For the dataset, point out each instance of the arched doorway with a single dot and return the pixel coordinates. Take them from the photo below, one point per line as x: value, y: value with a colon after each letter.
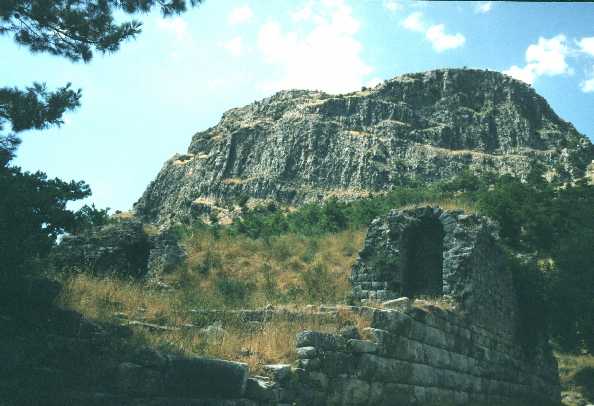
x: 422, y: 258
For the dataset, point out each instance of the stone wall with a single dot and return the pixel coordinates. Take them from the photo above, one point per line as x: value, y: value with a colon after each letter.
x: 402, y: 257
x: 121, y: 248
x: 418, y: 357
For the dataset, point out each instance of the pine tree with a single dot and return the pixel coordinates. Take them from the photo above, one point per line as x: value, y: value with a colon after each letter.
x: 32, y: 207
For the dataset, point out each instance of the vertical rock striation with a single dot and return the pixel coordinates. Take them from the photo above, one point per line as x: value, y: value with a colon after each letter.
x: 299, y: 146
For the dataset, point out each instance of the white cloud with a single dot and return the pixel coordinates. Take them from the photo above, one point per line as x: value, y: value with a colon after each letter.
x: 414, y: 22
x: 393, y: 6
x: 525, y: 74
x: 441, y: 41
x: 483, y: 7
x: 323, y: 53
x: 545, y: 58
x: 240, y: 15
x: 176, y: 26
x: 587, y: 86
x: 304, y: 13
x: 586, y: 45
x: 234, y: 46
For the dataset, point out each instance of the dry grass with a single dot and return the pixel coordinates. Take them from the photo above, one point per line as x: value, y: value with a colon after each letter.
x: 576, y: 373
x: 445, y: 204
x: 225, y: 273
x: 106, y: 299
x: 239, y: 271
x: 256, y: 344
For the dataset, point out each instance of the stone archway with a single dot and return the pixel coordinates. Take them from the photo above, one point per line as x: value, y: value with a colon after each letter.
x: 421, y: 251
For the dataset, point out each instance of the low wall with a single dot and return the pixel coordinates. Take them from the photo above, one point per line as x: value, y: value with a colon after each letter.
x: 419, y: 357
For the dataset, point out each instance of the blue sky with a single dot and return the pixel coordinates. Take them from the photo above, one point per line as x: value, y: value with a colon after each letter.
x: 142, y: 104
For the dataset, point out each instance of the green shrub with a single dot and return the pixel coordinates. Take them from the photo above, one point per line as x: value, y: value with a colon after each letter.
x: 233, y: 290
x: 212, y: 261
x: 318, y: 284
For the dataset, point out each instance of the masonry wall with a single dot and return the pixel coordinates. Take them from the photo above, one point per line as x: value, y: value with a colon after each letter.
x: 474, y: 272
x: 420, y: 357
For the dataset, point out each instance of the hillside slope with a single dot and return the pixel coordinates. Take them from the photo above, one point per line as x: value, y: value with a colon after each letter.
x: 299, y: 146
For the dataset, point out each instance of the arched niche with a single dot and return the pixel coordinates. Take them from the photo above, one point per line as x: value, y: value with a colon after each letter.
x: 421, y: 253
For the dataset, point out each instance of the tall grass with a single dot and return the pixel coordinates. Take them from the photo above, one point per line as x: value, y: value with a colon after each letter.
x: 228, y: 272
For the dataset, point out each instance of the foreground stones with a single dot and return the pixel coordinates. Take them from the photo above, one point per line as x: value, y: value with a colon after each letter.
x: 196, y: 377
x: 422, y: 356
x: 418, y: 356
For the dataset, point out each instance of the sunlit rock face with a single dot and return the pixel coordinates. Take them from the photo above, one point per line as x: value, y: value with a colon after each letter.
x: 299, y: 146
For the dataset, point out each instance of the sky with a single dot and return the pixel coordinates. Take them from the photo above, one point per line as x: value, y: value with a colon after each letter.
x: 143, y: 103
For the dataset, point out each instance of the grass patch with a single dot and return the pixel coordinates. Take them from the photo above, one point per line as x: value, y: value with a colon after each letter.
x: 576, y: 374
x: 185, y: 331
x: 229, y: 272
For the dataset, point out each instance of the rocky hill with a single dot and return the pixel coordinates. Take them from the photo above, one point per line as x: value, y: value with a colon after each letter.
x: 299, y: 146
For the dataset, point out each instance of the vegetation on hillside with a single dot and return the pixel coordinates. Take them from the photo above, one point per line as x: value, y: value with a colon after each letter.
x: 279, y: 256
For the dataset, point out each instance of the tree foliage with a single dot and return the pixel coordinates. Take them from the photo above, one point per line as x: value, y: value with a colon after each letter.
x: 33, y: 214
x: 33, y: 210
x: 32, y: 108
x: 73, y: 29
x: 76, y: 28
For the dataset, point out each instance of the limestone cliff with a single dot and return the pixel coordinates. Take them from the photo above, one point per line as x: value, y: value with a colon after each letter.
x: 300, y: 146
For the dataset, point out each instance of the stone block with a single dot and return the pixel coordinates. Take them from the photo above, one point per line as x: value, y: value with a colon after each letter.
x: 310, y: 364
x: 306, y: 352
x: 260, y: 390
x: 135, y: 379
x: 362, y: 346
x: 335, y: 363
x: 206, y: 377
x: 319, y: 379
x: 402, y: 303
x: 279, y: 372
x: 323, y: 341
x: 354, y: 392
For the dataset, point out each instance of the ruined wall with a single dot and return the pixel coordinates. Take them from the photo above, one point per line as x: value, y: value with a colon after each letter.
x: 420, y: 357
x: 473, y: 269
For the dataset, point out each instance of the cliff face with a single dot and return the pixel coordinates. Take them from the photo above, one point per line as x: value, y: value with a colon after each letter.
x: 300, y: 146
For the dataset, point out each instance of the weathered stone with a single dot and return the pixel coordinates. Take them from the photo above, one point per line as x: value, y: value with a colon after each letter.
x: 354, y: 392
x: 350, y: 332
x: 306, y: 352
x: 279, y: 372
x: 205, y: 377
x: 120, y: 248
x: 319, y: 379
x: 417, y: 252
x: 299, y: 146
x: 149, y: 357
x: 324, y: 341
x: 165, y: 254
x: 310, y: 364
x: 362, y: 346
x: 402, y: 303
x: 260, y: 390
x: 136, y: 379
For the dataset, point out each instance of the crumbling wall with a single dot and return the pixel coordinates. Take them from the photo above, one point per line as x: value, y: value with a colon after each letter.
x: 421, y: 357
x: 473, y: 274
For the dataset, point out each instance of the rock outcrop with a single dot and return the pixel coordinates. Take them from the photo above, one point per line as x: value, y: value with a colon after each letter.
x: 300, y: 146
x: 121, y: 248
